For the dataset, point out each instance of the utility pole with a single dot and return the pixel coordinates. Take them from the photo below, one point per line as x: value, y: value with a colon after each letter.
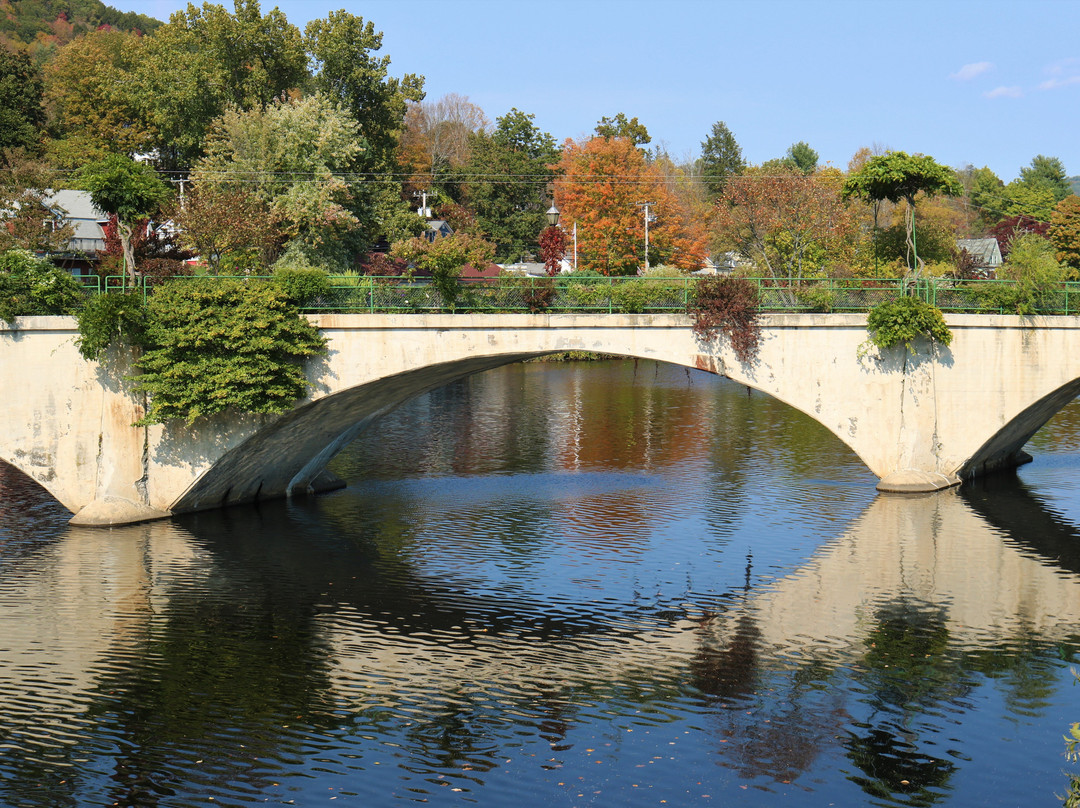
x: 648, y: 218
x: 424, y: 210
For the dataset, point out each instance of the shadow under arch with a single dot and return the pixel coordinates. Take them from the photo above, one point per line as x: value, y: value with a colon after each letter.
x: 288, y: 456
x: 17, y: 475
x: 1005, y: 448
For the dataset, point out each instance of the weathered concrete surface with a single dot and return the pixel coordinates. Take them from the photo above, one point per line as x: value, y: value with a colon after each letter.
x: 919, y: 421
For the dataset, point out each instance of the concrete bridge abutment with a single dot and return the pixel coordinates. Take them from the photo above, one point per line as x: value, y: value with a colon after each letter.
x: 920, y: 420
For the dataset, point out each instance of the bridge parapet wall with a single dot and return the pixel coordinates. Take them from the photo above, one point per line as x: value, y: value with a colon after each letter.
x: 932, y: 416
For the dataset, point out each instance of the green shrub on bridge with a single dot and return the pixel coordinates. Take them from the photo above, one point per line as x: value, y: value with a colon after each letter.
x: 116, y: 318
x: 32, y: 286
x: 216, y: 344
x: 902, y: 321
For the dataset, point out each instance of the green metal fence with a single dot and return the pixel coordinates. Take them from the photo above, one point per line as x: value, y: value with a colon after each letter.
x: 638, y: 295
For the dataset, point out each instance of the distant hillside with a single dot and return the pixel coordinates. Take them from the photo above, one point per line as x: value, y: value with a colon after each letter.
x: 1075, y: 183
x: 41, y: 26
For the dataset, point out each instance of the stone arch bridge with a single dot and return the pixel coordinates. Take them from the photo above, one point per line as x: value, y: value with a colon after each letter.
x: 920, y: 421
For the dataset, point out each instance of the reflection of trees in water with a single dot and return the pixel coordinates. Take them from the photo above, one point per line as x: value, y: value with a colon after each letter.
x: 895, y: 769
x: 909, y: 670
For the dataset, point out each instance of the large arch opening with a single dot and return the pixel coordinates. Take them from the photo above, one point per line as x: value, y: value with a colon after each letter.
x: 290, y: 456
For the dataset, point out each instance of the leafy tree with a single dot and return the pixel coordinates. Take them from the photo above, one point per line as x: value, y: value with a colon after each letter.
x: 509, y: 175
x: 1033, y: 200
x: 1048, y: 172
x: 346, y: 70
x: 721, y: 158
x: 898, y: 176
x: 217, y: 345
x: 788, y: 222
x: 620, y: 126
x: 802, y: 157
x: 295, y: 157
x: 444, y: 259
x: 985, y: 191
x: 21, y: 111
x: 32, y: 286
x: 1035, y: 270
x: 602, y: 182
x: 32, y: 221
x: 1012, y: 226
x: 552, y: 248
x: 130, y: 190
x: 205, y: 61
x: 1064, y: 231
x: 437, y: 142
x: 223, y: 223
x: 94, y: 98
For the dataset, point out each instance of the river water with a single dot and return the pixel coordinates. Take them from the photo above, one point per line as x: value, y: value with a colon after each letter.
x: 580, y: 584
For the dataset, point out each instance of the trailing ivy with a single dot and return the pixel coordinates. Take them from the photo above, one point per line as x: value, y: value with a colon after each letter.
x: 116, y: 318
x: 727, y: 306
x: 216, y: 344
x: 32, y: 286
x: 902, y: 321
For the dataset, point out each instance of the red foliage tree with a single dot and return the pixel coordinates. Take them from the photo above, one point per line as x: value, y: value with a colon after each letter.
x: 552, y: 249
x: 1012, y: 226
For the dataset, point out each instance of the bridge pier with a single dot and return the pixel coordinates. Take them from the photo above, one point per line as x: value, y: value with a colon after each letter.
x: 920, y: 421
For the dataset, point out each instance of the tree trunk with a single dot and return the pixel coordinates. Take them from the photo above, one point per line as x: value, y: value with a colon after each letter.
x: 125, y: 231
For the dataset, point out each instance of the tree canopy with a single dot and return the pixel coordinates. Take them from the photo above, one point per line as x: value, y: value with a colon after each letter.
x: 721, y: 158
x: 129, y: 190
x: 602, y: 185
x: 509, y: 173
x: 621, y: 126
x: 898, y: 176
x: 21, y: 112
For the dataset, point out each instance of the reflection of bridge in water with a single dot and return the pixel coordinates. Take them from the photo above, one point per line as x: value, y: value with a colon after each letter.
x: 103, y: 594
x: 919, y: 421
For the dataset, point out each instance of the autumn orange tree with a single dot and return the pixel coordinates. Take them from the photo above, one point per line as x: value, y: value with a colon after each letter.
x: 601, y: 185
x: 792, y: 225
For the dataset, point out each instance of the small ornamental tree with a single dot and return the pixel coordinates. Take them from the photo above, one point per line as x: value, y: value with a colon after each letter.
x: 899, y: 176
x: 1011, y: 227
x: 131, y: 191
x: 220, y: 344
x: 552, y: 249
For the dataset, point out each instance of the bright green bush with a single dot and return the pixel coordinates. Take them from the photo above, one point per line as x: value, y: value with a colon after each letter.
x: 114, y: 318
x: 902, y: 321
x: 32, y: 286
x: 219, y: 344
x: 303, y: 285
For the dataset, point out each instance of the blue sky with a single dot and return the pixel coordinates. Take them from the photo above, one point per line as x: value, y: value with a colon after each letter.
x: 984, y: 82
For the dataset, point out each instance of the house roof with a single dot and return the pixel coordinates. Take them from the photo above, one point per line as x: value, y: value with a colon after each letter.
x: 984, y: 251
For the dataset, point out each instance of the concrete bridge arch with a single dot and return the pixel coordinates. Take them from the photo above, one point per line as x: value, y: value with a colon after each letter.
x: 919, y: 421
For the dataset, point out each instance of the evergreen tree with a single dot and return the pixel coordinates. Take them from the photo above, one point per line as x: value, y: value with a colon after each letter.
x: 721, y: 157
